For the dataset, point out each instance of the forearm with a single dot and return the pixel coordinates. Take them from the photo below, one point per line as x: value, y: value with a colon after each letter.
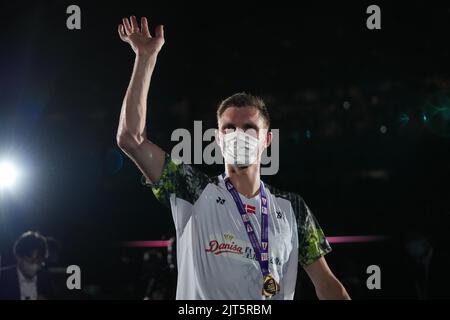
x: 131, y: 128
x: 332, y: 289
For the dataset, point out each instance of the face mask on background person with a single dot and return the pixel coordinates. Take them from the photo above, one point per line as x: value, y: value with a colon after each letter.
x: 30, y: 269
x: 239, y: 148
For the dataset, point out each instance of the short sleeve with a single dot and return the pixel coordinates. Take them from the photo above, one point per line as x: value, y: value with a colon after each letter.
x: 179, y: 179
x: 312, y: 241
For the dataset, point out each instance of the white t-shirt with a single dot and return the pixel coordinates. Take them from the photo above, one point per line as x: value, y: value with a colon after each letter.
x: 28, y: 287
x: 214, y: 255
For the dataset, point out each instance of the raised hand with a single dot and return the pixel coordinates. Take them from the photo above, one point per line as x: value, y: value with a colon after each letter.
x: 140, y: 39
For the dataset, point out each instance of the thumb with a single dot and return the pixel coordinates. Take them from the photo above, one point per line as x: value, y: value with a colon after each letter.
x: 160, y: 31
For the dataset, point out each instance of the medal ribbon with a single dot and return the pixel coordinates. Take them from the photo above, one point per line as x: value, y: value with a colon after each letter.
x: 261, y: 251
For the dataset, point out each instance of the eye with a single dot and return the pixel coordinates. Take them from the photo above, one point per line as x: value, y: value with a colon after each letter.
x: 248, y: 126
x: 228, y: 126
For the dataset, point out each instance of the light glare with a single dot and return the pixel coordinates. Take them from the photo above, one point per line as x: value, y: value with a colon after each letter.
x: 8, y: 174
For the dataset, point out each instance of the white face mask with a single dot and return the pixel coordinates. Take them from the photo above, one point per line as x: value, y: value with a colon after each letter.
x: 31, y: 269
x: 239, y: 148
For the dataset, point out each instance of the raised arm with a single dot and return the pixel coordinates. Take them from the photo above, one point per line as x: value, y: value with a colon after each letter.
x: 131, y: 133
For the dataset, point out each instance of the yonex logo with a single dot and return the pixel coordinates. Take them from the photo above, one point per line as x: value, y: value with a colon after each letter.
x: 279, y: 214
x: 220, y: 200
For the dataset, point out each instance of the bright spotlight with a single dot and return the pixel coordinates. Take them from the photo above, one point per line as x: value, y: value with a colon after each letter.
x: 8, y: 175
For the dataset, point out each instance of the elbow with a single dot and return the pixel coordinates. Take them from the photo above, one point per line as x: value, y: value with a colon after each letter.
x: 127, y: 141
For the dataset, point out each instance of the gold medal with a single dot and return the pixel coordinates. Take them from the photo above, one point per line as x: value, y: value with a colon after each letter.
x: 270, y: 286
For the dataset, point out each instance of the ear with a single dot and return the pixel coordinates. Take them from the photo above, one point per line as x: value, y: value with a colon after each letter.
x: 268, y: 139
x: 217, y: 136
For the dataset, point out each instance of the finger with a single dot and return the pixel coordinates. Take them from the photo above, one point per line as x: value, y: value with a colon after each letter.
x: 160, y: 31
x: 127, y: 26
x: 122, y: 33
x: 134, y: 24
x: 144, y: 27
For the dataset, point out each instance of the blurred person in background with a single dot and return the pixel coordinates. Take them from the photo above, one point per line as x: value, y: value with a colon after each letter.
x: 26, y: 280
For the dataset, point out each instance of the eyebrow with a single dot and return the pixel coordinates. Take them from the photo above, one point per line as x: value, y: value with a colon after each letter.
x: 227, y: 125
x: 247, y: 125
x: 251, y: 125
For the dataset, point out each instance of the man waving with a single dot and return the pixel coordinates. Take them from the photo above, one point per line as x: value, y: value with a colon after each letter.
x: 237, y: 237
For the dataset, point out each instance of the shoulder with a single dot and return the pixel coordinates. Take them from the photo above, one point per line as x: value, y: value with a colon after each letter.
x: 8, y: 276
x: 184, y: 180
x: 175, y: 170
x: 8, y: 270
x: 298, y: 204
x: 44, y: 283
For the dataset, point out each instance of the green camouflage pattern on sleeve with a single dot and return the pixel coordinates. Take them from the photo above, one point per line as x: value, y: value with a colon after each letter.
x: 183, y: 180
x: 312, y: 241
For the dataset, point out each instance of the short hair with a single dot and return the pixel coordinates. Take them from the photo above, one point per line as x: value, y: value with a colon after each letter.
x: 29, y: 242
x: 243, y: 99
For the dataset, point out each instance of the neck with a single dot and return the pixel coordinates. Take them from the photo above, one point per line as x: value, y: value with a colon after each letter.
x: 27, y: 277
x: 245, y: 180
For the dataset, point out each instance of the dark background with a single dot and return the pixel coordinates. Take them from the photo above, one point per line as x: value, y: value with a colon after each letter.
x: 330, y: 85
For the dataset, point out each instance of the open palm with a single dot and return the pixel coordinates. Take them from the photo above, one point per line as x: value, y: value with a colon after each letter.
x: 140, y: 39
